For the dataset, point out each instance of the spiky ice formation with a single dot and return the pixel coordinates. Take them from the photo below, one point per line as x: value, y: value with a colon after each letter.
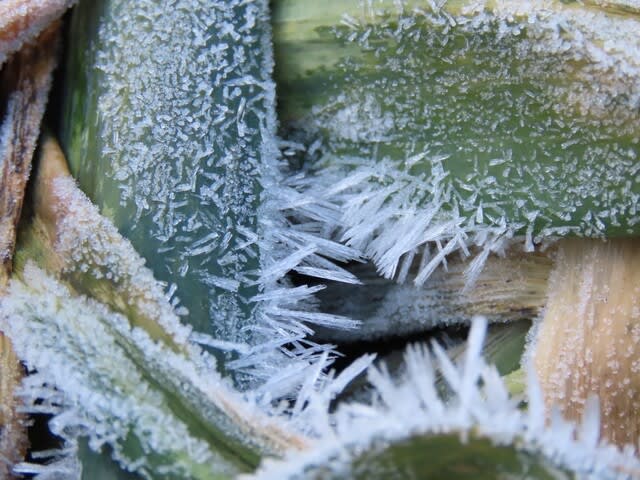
x: 460, y: 124
x: 478, y: 432
x: 170, y: 129
x: 161, y: 412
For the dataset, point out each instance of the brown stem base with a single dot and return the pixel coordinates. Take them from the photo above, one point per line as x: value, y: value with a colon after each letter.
x: 589, y: 339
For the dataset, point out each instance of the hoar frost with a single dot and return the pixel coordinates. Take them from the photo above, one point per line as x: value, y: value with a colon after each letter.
x: 172, y: 134
x: 410, y: 415
x: 180, y: 152
x: 462, y: 126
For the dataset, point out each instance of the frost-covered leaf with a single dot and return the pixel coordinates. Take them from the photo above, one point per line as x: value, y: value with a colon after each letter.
x: 67, y: 236
x: 464, y: 123
x: 169, y: 127
x: 410, y: 432
x: 166, y: 127
x: 164, y: 414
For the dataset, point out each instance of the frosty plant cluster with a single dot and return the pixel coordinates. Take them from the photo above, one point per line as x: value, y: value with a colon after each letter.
x: 235, y: 195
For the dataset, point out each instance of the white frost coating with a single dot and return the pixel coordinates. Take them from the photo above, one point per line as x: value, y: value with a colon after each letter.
x: 480, y: 406
x: 21, y: 21
x: 190, y: 171
x: 105, y: 384
x: 89, y: 243
x: 381, y: 214
x: 469, y: 172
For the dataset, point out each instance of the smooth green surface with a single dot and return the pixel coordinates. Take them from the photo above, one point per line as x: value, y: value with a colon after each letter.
x: 505, y: 344
x: 100, y: 466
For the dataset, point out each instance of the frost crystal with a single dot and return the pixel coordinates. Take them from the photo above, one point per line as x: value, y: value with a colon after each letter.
x: 172, y: 134
x: 91, y: 251
x: 463, y: 126
x: 159, y: 410
x: 411, y: 414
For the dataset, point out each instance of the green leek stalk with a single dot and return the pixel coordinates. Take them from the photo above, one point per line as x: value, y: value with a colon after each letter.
x: 154, y: 113
x: 503, y: 115
x: 449, y: 456
x: 415, y: 431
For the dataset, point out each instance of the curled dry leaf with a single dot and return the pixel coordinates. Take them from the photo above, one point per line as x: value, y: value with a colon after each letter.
x: 506, y: 288
x: 22, y: 21
x: 27, y: 80
x: 24, y: 88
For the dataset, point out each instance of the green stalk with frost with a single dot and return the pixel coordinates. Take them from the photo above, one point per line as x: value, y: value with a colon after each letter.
x: 464, y: 125
x: 138, y: 137
x: 125, y: 347
x: 154, y: 166
x: 168, y: 126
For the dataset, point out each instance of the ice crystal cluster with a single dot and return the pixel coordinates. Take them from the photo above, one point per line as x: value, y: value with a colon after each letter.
x: 171, y: 131
x: 91, y: 350
x: 388, y: 438
x: 460, y: 126
x: 175, y: 142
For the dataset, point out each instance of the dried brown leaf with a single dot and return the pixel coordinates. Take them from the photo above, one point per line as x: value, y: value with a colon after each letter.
x: 13, y: 435
x: 24, y: 85
x: 589, y: 340
x: 22, y: 21
x: 26, y: 80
